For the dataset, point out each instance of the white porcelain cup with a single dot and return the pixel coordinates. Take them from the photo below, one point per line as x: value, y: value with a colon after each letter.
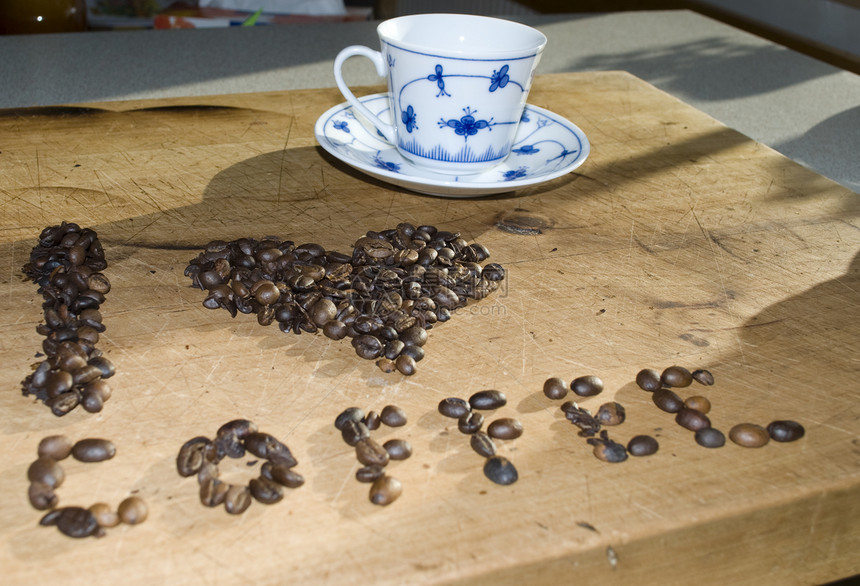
x: 457, y: 87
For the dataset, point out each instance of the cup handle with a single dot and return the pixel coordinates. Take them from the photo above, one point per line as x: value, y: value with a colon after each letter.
x: 387, y: 130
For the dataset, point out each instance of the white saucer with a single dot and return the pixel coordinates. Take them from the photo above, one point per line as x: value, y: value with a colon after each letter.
x: 546, y: 146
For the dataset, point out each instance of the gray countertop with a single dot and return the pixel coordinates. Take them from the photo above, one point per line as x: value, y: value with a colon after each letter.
x: 799, y: 106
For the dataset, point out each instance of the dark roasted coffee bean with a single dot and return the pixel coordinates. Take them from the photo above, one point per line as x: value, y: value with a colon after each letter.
x: 692, y: 419
x: 230, y: 445
x: 698, y: 403
x: 86, y: 374
x: 494, y: 272
x: 470, y: 422
x: 453, y: 407
x: 483, y: 444
x: 238, y: 427
x: 667, y: 400
x: 587, y: 386
x: 237, y: 499
x: 354, y: 431
x: 349, y: 414
x: 505, y: 428
x: 266, y: 491
x: 385, y: 490
x: 98, y: 387
x: 607, y: 450
x: 282, y: 475
x: 393, y: 416
x: 642, y: 445
x: 394, y: 348
x: 580, y: 417
x: 132, y: 510
x: 63, y: 403
x: 555, y: 388
x: 500, y: 470
x: 372, y: 421
x: 47, y: 471
x: 749, y: 435
x: 105, y: 516
x: 93, y: 450
x: 416, y: 353
x: 367, y: 346
x: 267, y: 446
x: 385, y: 365
x: 703, y: 376
x: 207, y: 471
x: 42, y: 496
x: 335, y: 329
x: 56, y: 447
x: 323, y: 311
x: 370, y: 453
x: 213, y: 492
x: 398, y: 449
x: 369, y: 473
x: 785, y: 431
x: 676, y: 376
x: 709, y: 437
x: 59, y: 382
x: 191, y: 456
x: 414, y: 336
x: 488, y: 400
x: 611, y: 414
x: 50, y: 518
x: 77, y: 522
x: 405, y: 364
x: 92, y: 401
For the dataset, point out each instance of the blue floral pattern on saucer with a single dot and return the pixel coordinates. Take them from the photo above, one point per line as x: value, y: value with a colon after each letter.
x: 546, y: 146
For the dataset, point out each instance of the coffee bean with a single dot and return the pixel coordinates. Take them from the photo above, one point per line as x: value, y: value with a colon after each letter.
x: 698, y: 403
x: 264, y: 445
x: 50, y: 518
x: 47, y: 471
x: 398, y: 449
x: 470, y: 422
x: 608, y: 450
x: 385, y: 365
x: 500, y: 470
x: 405, y: 364
x: 238, y: 427
x: 692, y: 419
x: 266, y: 491
x: 676, y: 376
x: 372, y: 421
x: 370, y: 453
x: 749, y: 435
x: 703, y: 376
x: 213, y: 492
x: 349, y: 414
x: 76, y: 522
x: 393, y: 416
x: 385, y: 490
x: 453, y: 407
x: 555, y: 388
x: 642, y: 445
x: 63, y: 403
x: 367, y: 346
x: 587, y: 386
x: 91, y: 401
x: 708, y: 437
x: 505, y: 428
x: 785, y: 431
x: 488, y: 400
x: 55, y: 447
x: 237, y: 499
x: 191, y: 456
x: 580, y: 417
x: 414, y: 336
x: 98, y: 387
x: 369, y: 473
x: 42, y: 496
x: 93, y: 450
x: 483, y: 444
x: 207, y: 471
x: 354, y: 431
x: 667, y: 400
x: 611, y: 414
x: 105, y: 516
x: 282, y: 475
x: 132, y: 510
x: 416, y: 353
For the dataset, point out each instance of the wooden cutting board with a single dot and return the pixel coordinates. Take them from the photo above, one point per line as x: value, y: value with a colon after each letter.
x: 679, y: 241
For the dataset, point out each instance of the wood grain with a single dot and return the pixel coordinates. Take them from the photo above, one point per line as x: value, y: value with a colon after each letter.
x: 679, y: 241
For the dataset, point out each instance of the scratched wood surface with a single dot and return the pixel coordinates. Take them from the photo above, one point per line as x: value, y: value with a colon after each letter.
x: 679, y: 241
